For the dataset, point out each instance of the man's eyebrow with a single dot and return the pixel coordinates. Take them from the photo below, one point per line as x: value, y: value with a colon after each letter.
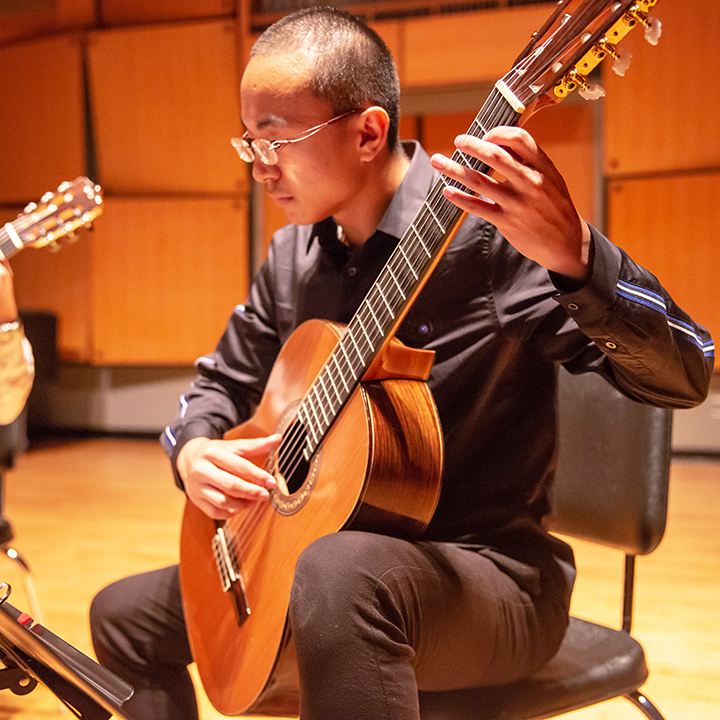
x: 269, y: 121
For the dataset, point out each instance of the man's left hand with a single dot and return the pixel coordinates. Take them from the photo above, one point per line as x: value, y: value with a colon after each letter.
x: 523, y: 195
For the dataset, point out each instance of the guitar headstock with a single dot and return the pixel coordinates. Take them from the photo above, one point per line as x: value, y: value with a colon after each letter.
x: 57, y: 214
x: 576, y: 39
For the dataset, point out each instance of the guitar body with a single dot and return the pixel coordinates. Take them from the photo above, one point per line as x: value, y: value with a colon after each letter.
x: 378, y: 469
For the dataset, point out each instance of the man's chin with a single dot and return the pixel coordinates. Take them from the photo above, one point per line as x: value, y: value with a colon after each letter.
x: 298, y: 216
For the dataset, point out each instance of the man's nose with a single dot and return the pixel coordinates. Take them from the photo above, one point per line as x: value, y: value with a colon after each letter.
x: 262, y: 171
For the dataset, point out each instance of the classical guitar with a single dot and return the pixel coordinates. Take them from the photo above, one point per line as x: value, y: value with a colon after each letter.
x: 361, y: 443
x: 58, y: 214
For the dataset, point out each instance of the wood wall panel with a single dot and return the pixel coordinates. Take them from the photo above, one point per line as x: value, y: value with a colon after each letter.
x: 43, y: 17
x: 467, y: 48
x: 165, y: 105
x: 670, y: 226
x: 42, y: 140
x: 58, y: 281
x: 122, y: 12
x: 663, y: 115
x: 166, y: 274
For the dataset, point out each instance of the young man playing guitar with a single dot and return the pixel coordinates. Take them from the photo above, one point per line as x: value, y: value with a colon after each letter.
x: 482, y: 595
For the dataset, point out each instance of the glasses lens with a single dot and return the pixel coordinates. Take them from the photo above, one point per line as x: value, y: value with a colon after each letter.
x: 265, y: 151
x: 243, y: 149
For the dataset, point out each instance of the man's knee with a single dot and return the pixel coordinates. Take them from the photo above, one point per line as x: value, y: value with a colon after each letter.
x: 105, y: 607
x: 336, y: 577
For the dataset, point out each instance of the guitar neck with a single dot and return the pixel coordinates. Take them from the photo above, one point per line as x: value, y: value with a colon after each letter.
x: 398, y: 284
x: 10, y: 240
x: 57, y: 214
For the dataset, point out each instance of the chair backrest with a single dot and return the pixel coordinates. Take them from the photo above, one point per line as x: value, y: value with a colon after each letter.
x: 613, y: 468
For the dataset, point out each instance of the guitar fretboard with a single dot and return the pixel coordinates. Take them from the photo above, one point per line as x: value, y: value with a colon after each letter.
x: 387, y: 302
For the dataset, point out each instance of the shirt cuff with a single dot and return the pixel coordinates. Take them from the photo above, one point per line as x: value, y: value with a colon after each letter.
x: 173, y: 443
x: 588, y: 299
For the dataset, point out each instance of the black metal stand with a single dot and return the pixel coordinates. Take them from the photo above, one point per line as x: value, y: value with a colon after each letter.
x: 32, y: 654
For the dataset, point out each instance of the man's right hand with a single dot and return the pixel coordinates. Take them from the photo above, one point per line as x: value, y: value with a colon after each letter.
x: 219, y: 476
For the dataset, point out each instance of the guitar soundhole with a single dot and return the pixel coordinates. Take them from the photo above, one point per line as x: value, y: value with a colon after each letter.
x: 296, y: 476
x: 292, y: 464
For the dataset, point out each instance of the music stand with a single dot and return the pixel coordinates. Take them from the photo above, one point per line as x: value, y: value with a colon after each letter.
x: 32, y: 654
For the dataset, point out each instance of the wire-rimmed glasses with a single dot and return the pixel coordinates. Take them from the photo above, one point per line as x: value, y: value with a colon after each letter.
x: 267, y: 151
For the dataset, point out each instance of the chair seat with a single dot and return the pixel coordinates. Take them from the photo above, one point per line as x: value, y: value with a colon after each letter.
x: 594, y: 663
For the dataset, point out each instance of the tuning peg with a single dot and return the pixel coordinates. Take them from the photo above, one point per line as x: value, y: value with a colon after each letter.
x: 621, y: 62
x: 653, y: 31
x: 653, y: 27
x: 591, y: 92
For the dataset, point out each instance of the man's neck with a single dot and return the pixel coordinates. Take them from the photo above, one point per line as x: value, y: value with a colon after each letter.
x: 360, y: 220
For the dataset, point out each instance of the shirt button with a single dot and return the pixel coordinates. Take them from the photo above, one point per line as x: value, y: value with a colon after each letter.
x: 573, y: 306
x: 352, y: 271
x: 610, y: 345
x: 424, y: 329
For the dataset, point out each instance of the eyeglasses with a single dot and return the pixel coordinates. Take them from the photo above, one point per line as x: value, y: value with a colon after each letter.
x: 267, y: 151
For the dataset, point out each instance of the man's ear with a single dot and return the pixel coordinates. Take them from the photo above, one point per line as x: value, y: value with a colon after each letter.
x: 374, y: 124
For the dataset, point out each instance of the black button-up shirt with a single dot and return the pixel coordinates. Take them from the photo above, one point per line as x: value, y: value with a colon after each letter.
x: 499, y: 324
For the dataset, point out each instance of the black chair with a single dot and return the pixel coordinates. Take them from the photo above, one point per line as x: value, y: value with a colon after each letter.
x: 611, y: 488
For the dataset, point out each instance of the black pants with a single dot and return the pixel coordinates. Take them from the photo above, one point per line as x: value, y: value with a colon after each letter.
x: 374, y: 619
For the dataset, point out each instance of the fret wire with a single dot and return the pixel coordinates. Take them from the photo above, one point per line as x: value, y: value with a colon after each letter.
x: 327, y: 404
x: 347, y: 359
x: 327, y: 397
x: 401, y: 277
x: 352, y: 338
x: 313, y: 391
x: 340, y: 372
x: 338, y: 394
x: 354, y: 364
x: 388, y: 287
x: 424, y: 247
x: 372, y: 337
x: 382, y: 295
x: 310, y: 425
x: 365, y: 332
x: 375, y: 317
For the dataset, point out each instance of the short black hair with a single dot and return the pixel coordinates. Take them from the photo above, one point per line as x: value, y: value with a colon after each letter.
x: 350, y: 65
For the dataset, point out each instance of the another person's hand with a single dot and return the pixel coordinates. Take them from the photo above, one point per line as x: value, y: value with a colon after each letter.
x: 220, y: 477
x: 528, y: 201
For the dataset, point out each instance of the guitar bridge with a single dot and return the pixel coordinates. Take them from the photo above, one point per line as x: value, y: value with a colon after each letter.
x: 231, y: 578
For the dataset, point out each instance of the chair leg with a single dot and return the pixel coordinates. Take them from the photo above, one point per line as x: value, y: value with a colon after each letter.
x: 14, y: 555
x: 645, y: 705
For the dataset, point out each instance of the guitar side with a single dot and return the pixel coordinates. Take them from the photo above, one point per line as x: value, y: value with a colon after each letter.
x: 378, y: 469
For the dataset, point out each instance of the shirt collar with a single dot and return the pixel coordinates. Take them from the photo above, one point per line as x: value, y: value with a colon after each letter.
x: 405, y: 204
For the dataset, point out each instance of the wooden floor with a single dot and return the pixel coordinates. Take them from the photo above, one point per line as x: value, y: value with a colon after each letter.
x: 89, y: 511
